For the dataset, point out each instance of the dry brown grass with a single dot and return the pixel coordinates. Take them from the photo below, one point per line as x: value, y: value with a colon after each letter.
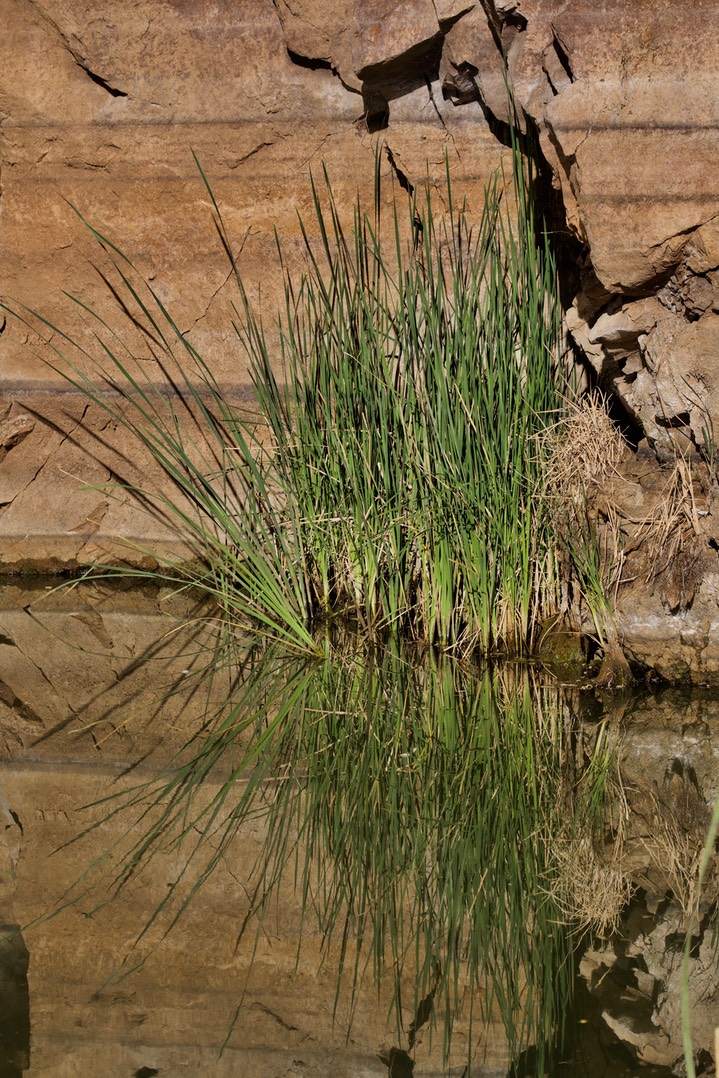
x: 670, y: 538
x: 584, y: 450
x: 658, y: 541
x: 591, y: 887
x: 677, y: 831
x: 592, y: 891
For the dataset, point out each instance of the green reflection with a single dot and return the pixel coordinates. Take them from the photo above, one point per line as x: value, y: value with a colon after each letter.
x: 425, y: 808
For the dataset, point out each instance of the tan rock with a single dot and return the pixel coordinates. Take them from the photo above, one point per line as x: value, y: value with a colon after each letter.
x: 471, y: 67
x: 390, y: 35
x: 322, y: 32
x: 702, y: 250
x: 14, y: 429
x: 632, y: 147
x: 621, y: 327
x: 100, y: 106
x: 684, y: 361
x: 452, y: 9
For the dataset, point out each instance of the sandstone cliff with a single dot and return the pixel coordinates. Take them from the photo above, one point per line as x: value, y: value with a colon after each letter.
x: 101, y: 102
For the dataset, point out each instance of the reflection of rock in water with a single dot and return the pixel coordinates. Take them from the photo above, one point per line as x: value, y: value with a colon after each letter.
x: 669, y: 774
x: 669, y: 781
x: 14, y: 1003
x: 589, y: 1049
x: 398, y: 1063
x: 636, y: 980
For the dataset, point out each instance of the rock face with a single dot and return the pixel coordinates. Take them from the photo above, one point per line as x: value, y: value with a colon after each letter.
x: 100, y: 107
x: 621, y: 96
x: 100, y: 103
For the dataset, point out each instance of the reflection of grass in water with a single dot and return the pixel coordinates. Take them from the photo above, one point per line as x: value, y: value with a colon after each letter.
x: 416, y: 804
x: 429, y: 806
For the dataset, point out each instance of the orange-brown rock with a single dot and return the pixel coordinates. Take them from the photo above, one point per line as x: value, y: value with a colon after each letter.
x: 102, y: 106
x: 101, y: 103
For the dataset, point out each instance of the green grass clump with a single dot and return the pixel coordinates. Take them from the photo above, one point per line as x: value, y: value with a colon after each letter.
x: 416, y: 384
x: 395, y: 473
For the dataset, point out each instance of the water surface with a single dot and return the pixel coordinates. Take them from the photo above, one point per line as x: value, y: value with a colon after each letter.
x: 370, y: 864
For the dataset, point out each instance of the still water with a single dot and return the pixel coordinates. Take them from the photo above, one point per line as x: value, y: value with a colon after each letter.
x: 217, y: 859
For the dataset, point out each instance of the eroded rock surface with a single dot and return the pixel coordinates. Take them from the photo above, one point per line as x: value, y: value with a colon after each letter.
x: 99, y: 106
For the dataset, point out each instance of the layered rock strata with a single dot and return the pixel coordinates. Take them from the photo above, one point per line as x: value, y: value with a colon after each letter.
x: 100, y: 104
